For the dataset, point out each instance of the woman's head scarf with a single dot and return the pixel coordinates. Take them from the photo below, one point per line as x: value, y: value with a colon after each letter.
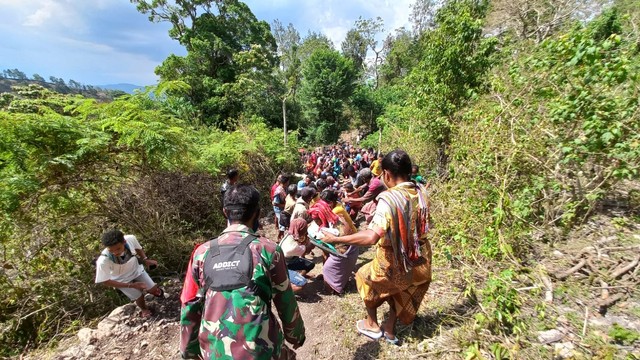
x: 298, y: 228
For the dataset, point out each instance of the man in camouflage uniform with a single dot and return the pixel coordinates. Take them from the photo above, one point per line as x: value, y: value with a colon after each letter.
x: 239, y: 324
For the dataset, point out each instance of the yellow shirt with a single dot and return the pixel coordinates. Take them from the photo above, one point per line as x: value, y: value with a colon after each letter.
x: 340, y: 211
x: 376, y: 168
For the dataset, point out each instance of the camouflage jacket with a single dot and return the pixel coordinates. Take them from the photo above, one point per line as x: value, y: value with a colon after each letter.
x: 239, y: 324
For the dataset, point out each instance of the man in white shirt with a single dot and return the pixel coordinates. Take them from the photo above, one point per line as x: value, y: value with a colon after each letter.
x: 118, y: 266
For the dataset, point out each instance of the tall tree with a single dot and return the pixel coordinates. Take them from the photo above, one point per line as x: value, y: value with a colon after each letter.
x: 15, y: 74
x: 38, y: 77
x: 401, y: 56
x: 423, y: 14
x: 328, y: 81
x: 538, y: 19
x: 288, y: 41
x: 454, y: 61
x: 369, y: 29
x: 230, y: 55
x: 355, y: 47
x: 313, y: 42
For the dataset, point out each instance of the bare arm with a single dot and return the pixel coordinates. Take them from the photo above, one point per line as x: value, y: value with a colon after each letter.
x: 144, y: 258
x: 122, y: 285
x: 364, y: 199
x: 361, y: 238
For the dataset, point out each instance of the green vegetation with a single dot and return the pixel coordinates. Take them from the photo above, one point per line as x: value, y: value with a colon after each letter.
x: 523, y: 123
x: 70, y: 167
x: 623, y: 336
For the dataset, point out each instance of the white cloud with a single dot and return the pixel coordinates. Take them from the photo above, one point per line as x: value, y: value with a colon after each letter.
x: 47, y: 15
x: 44, y: 13
x: 334, y: 17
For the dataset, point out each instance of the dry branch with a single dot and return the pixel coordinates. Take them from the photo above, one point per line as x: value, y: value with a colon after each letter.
x: 566, y: 274
x: 586, y: 250
x: 604, y: 294
x: 605, y: 304
x: 625, y: 269
x: 548, y: 285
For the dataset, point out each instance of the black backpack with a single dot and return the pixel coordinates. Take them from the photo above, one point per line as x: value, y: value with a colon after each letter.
x: 229, y: 267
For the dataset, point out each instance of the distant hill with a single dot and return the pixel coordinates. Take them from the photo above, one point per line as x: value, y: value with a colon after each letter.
x: 128, y: 88
x: 6, y: 85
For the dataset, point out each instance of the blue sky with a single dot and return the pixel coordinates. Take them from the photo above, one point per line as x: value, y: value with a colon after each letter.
x: 108, y: 41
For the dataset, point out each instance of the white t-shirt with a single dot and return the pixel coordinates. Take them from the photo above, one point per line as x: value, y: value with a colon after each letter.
x: 290, y: 247
x: 106, y: 269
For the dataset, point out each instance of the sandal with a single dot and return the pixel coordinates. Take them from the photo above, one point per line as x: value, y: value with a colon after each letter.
x: 146, y: 314
x: 161, y: 294
x: 394, y: 341
x: 368, y: 333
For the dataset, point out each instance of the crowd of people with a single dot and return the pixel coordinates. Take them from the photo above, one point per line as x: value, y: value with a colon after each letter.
x: 233, y: 280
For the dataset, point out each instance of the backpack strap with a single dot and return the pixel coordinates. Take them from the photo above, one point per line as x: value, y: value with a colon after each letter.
x: 214, y: 248
x: 241, y: 248
x: 112, y: 257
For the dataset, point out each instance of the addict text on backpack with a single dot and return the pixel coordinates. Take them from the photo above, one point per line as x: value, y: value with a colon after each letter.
x: 229, y: 267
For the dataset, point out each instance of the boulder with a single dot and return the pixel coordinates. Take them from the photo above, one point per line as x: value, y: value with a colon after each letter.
x: 87, y: 336
x: 550, y: 336
x: 564, y: 350
x: 123, y: 311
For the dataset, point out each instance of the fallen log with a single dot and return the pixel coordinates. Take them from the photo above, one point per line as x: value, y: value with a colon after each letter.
x: 566, y: 274
x: 625, y: 269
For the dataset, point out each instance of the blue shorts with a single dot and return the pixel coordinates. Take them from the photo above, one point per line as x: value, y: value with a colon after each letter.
x: 297, y: 279
x: 278, y: 211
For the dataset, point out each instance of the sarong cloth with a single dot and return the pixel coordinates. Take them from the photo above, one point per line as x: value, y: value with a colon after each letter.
x: 401, y: 268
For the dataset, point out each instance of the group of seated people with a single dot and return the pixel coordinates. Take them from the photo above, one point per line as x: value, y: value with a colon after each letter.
x: 333, y: 199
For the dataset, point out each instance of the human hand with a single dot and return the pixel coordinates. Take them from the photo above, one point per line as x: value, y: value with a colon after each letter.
x: 328, y: 237
x: 138, y: 285
x: 151, y: 264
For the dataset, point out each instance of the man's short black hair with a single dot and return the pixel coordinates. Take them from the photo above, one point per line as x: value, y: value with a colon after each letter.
x: 284, y: 178
x: 241, y: 202
x: 232, y: 173
x: 329, y: 195
x: 292, y: 190
x: 321, y: 184
x: 307, y: 193
x: 112, y: 237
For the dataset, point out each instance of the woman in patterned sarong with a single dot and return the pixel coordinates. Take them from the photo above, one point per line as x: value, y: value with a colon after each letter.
x: 400, y: 272
x: 338, y: 270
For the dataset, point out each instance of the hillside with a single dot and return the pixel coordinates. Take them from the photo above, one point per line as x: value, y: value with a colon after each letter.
x: 128, y: 88
x: 98, y: 93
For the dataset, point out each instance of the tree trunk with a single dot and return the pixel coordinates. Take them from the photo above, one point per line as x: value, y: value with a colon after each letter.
x: 284, y: 119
